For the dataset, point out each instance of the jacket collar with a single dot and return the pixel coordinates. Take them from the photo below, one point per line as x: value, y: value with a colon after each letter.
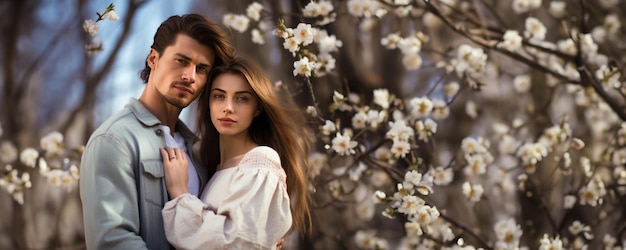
x: 150, y: 120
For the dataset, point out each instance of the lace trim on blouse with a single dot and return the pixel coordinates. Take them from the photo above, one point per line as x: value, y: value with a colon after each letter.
x: 264, y: 157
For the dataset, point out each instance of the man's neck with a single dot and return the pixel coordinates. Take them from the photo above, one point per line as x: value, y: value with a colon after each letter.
x: 166, y: 113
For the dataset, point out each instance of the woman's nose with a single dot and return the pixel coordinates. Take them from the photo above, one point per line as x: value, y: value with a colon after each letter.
x: 228, y: 106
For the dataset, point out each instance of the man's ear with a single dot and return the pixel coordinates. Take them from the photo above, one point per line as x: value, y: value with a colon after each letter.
x: 152, y: 59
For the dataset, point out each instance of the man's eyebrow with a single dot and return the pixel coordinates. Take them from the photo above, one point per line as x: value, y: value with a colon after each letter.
x: 183, y: 56
x: 189, y: 59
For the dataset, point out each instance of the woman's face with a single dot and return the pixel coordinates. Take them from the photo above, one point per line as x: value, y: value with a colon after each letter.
x: 233, y: 104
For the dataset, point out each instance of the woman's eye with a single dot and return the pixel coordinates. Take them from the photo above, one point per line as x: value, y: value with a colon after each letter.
x: 218, y: 96
x: 242, y: 98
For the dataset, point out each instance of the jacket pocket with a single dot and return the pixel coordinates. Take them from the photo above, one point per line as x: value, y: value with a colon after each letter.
x: 153, y: 185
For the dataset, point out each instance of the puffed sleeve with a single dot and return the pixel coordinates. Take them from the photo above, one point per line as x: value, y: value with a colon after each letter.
x: 255, y: 215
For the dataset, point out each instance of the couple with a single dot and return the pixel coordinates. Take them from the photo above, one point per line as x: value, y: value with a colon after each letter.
x: 142, y: 186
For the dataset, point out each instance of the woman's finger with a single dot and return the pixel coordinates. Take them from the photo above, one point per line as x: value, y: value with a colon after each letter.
x: 164, y: 154
x: 180, y: 154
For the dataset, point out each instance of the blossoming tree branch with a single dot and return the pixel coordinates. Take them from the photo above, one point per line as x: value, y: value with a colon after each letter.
x: 53, y: 160
x: 547, y: 164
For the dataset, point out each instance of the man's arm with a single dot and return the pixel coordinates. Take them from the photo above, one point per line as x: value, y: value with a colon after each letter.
x: 109, y: 196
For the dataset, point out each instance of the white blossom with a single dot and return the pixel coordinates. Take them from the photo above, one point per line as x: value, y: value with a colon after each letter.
x: 592, y: 193
x: 391, y: 41
x: 399, y: 131
x: 451, y: 89
x: 535, y: 30
x: 557, y: 9
x: 317, y: 161
x: 328, y: 43
x: 476, y: 164
x: 304, y: 67
x: 291, y: 44
x: 363, y: 8
x: 412, y: 61
x: 471, y: 145
x: 29, y: 157
x: 328, y: 127
x: 344, y: 145
x: 253, y: 11
x: 382, y: 153
x: 52, y: 143
x: 421, y: 107
x: 110, y: 15
x: 311, y: 110
x: 425, y: 129
x: 440, y: 109
x: 381, y: 97
x: 569, y: 201
x: 522, y: 83
x: 359, y: 120
x: 257, y: 36
x: 508, y: 234
x: 547, y: 243
x: 612, y: 23
x: 8, y: 152
x: 410, y: 204
x: 473, y: 192
x: 400, y: 148
x: 471, y: 109
x: 442, y: 176
x: 237, y: 22
x: 304, y: 34
x: 511, y: 40
x: 567, y: 46
x: 91, y: 27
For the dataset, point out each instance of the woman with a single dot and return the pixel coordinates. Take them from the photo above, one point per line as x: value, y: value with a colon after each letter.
x: 255, y: 146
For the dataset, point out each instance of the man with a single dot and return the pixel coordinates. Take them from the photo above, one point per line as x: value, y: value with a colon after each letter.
x: 122, y: 182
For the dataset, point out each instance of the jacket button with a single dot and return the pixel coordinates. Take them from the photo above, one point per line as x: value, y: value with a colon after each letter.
x: 159, y: 132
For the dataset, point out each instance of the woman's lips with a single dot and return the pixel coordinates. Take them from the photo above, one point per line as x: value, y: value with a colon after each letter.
x: 226, y: 121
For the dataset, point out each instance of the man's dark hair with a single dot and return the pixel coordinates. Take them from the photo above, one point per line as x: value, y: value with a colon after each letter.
x: 199, y: 28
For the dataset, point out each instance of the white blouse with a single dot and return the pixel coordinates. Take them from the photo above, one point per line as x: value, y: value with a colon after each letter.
x: 242, y: 207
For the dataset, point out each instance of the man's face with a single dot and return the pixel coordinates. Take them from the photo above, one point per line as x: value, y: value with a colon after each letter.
x: 180, y: 73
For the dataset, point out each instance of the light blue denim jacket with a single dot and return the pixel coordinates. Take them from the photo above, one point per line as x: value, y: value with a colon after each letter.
x: 121, y: 181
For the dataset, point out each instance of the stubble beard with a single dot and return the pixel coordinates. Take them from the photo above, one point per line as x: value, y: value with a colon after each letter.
x: 179, y: 101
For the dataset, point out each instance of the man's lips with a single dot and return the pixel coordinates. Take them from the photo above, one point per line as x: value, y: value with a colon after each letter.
x: 184, y: 89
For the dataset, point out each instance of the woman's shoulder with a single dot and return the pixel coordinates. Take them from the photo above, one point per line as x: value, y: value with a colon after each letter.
x: 262, y: 153
x: 263, y: 161
x: 262, y: 157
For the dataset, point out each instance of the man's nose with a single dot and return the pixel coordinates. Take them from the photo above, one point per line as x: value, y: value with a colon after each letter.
x: 189, y: 74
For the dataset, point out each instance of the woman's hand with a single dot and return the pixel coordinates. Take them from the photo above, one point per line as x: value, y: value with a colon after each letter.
x: 175, y: 167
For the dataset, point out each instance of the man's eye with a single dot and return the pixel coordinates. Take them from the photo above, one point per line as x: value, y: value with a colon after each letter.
x: 202, y: 70
x: 181, y: 61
